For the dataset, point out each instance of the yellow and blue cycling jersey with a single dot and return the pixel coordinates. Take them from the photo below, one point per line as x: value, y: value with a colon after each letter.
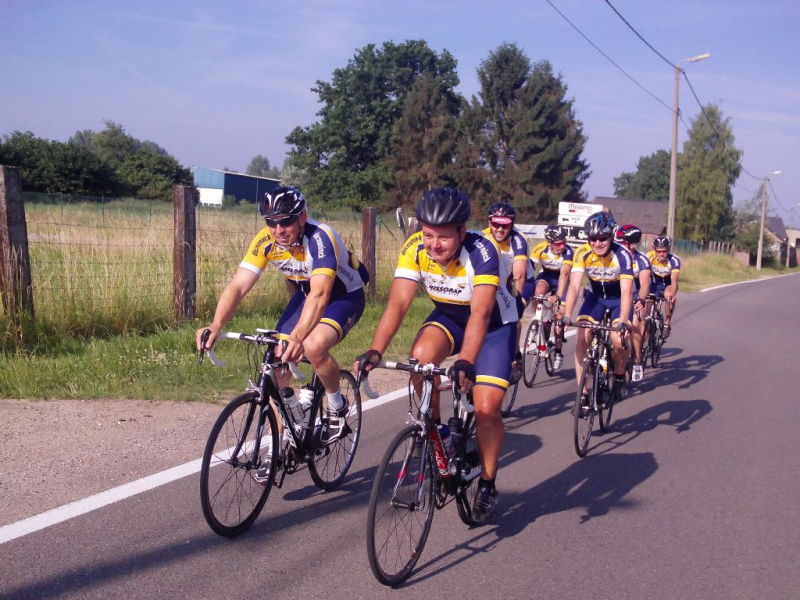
x: 640, y: 263
x: 322, y: 252
x: 450, y: 288
x: 549, y: 260
x: 663, y: 269
x: 514, y: 248
x: 604, y: 272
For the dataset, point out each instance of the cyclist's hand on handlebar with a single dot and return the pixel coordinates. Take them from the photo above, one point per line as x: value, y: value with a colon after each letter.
x: 366, y: 362
x: 566, y: 321
x: 623, y: 328
x: 463, y: 372
x: 207, y: 343
x: 292, y: 351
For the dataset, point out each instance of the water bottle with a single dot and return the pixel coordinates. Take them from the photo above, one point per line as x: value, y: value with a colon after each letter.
x: 604, y: 364
x: 447, y: 440
x: 455, y: 426
x: 306, y: 398
x: 292, y: 405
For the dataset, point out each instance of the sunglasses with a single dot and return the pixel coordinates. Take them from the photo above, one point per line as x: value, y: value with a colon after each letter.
x: 561, y: 243
x: 284, y: 222
x: 501, y: 225
x: 602, y: 239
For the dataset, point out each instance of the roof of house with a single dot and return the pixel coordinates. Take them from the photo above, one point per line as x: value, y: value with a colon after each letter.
x: 648, y: 215
x: 776, y: 226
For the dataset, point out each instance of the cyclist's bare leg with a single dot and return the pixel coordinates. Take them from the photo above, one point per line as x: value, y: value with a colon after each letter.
x: 317, y: 347
x: 637, y: 331
x: 582, y: 339
x: 542, y: 287
x: 487, y: 400
x: 620, y: 354
x: 430, y: 346
x: 669, y: 307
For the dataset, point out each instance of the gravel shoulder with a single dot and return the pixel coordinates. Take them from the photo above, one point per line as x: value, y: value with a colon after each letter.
x: 59, y: 451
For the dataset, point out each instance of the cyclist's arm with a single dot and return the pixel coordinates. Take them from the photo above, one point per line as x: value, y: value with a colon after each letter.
x: 626, y: 299
x: 674, y: 285
x: 400, y: 298
x: 644, y: 283
x: 575, y: 279
x: 563, y: 281
x: 481, y: 307
x: 518, y: 271
x: 313, y: 307
x: 238, y: 287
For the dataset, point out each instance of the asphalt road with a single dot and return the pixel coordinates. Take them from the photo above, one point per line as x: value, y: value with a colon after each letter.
x: 693, y: 494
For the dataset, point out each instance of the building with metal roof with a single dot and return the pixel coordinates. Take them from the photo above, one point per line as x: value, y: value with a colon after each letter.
x: 648, y: 215
x: 215, y: 184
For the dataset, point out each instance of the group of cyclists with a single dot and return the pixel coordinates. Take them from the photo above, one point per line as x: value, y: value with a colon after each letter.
x: 479, y: 283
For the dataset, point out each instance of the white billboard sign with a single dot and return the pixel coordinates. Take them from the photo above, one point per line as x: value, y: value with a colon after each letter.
x: 578, y: 209
x: 571, y: 220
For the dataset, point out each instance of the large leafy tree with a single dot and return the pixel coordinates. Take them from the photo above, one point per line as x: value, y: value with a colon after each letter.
x: 650, y: 181
x: 424, y: 141
x: 260, y: 167
x: 709, y: 168
x: 522, y: 140
x: 342, y: 155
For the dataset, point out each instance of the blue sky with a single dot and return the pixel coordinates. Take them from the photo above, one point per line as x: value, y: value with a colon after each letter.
x: 216, y: 83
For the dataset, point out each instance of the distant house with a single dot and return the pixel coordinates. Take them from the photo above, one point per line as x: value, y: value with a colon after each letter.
x: 648, y: 215
x: 214, y: 185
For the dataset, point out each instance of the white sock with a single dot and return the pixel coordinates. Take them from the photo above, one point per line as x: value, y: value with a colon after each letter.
x: 335, y: 400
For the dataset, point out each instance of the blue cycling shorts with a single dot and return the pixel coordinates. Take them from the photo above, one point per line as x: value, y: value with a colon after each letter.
x: 594, y: 308
x: 551, y: 277
x: 341, y: 313
x: 493, y: 365
x: 658, y: 288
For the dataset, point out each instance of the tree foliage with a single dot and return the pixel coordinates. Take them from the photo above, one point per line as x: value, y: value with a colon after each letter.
x: 521, y: 140
x: 424, y: 143
x: 709, y: 168
x: 259, y: 166
x: 342, y: 155
x: 650, y: 181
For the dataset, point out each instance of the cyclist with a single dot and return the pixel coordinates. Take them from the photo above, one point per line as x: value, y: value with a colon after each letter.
x: 328, y: 291
x: 514, y: 258
x: 666, y: 269
x: 629, y: 236
x: 556, y: 258
x: 609, y: 268
x: 474, y: 316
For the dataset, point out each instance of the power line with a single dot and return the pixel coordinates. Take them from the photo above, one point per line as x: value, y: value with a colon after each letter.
x: 563, y: 16
x: 751, y: 175
x: 741, y: 187
x: 640, y: 37
x: 700, y: 104
x: 774, y: 195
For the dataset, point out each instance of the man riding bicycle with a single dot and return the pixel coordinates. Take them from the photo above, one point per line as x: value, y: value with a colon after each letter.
x: 328, y: 292
x: 513, y: 249
x: 609, y: 268
x: 666, y: 269
x: 629, y: 236
x: 475, y: 316
x: 556, y: 258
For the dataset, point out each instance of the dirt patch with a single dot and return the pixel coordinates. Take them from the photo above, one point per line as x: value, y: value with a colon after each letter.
x: 58, y: 451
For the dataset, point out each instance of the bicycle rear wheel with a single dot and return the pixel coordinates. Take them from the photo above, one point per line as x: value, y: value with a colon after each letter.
x: 584, y: 417
x: 331, y: 461
x: 530, y: 354
x: 509, y: 399
x: 230, y: 496
x: 400, y: 507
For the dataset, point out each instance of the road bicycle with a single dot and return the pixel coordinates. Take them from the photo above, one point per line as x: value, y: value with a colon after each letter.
x: 246, y: 438
x: 653, y: 336
x: 511, y: 394
x: 539, y: 341
x: 597, y: 380
x: 417, y: 475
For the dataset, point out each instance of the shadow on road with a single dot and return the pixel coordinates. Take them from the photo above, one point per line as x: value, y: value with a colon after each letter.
x: 682, y: 372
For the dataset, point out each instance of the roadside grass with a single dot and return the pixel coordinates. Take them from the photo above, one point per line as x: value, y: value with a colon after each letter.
x: 163, y: 365
x: 707, y: 270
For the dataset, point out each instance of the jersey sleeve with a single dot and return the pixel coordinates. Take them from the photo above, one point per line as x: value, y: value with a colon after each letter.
x: 625, y: 263
x: 675, y: 264
x: 519, y: 247
x: 408, y: 261
x: 644, y: 262
x: 579, y: 260
x: 255, y: 259
x: 568, y: 256
x: 323, y: 253
x: 485, y: 259
x: 536, y: 253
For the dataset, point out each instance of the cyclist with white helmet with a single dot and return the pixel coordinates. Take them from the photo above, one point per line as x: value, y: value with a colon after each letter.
x: 666, y: 268
x: 609, y: 268
x: 328, y: 291
x: 474, y: 316
x: 555, y: 258
x: 629, y: 236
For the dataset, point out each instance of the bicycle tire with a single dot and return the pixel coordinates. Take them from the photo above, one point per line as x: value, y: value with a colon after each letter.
x: 470, y: 461
x: 530, y: 355
x: 231, y: 498
x: 657, y: 342
x: 584, y: 423
x: 396, y: 535
x: 508, y: 399
x: 605, y: 396
x: 330, y: 462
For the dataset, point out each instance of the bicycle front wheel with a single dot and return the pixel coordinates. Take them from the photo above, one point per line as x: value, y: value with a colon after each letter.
x: 509, y: 399
x: 400, y: 507
x: 230, y: 496
x: 605, y: 397
x: 656, y: 342
x: 584, y: 415
x: 531, y: 354
x: 331, y: 460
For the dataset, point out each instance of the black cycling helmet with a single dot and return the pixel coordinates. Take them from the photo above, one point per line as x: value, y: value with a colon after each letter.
x: 554, y: 233
x: 282, y: 202
x: 629, y: 234
x: 502, y: 212
x: 662, y: 241
x: 444, y: 206
x: 599, y: 224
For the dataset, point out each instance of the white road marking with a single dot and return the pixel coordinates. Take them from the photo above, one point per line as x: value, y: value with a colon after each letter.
x: 717, y: 287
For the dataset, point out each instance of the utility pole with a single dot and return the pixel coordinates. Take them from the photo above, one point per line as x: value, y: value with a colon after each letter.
x: 763, y: 216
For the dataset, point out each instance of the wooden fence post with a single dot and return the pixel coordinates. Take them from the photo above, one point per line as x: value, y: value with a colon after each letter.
x: 184, y: 255
x: 368, y: 245
x: 15, y: 265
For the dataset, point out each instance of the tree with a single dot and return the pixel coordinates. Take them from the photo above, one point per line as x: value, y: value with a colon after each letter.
x: 522, y: 140
x: 709, y: 168
x: 260, y: 167
x: 152, y: 175
x: 649, y: 182
x: 342, y: 155
x: 423, y: 145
